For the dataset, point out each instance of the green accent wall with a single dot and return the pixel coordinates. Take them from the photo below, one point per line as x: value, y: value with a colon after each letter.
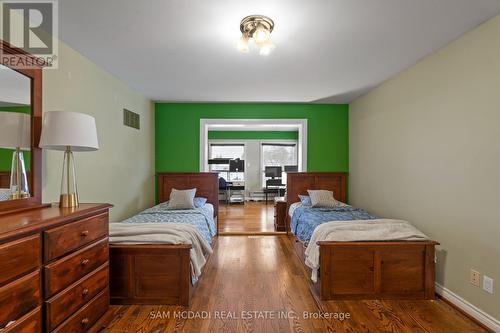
x: 6, y: 154
x: 252, y: 135
x: 177, y: 131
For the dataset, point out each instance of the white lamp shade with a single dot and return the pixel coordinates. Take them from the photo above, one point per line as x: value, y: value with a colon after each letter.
x: 61, y: 129
x: 15, y: 130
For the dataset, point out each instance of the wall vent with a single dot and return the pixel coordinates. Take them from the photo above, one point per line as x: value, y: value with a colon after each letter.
x: 131, y: 119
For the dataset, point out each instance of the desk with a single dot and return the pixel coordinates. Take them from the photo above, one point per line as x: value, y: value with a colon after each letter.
x: 276, y: 189
x: 236, y: 186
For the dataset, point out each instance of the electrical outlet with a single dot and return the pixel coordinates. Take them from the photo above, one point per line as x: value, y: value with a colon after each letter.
x: 475, y: 278
x: 488, y: 284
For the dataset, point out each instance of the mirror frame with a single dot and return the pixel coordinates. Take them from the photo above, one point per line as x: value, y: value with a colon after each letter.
x: 35, y: 75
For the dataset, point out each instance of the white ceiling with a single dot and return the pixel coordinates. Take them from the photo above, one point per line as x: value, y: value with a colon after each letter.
x: 329, y: 51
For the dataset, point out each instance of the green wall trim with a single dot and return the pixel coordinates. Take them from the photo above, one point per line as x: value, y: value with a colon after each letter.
x: 253, y: 135
x: 177, y: 131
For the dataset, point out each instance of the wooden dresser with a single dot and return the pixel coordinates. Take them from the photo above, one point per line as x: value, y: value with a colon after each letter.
x: 54, y: 269
x: 279, y: 214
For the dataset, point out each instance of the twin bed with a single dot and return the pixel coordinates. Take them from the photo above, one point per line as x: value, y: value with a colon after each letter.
x: 356, y: 269
x: 157, y: 273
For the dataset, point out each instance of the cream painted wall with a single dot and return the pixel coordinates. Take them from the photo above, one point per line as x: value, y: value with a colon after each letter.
x: 425, y: 146
x: 121, y: 172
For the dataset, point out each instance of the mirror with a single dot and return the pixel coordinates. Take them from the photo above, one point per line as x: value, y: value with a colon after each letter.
x: 15, y: 135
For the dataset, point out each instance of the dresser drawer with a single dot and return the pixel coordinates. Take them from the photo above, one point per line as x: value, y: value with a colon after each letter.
x: 72, y: 298
x: 61, y: 240
x: 19, y: 297
x: 29, y: 323
x: 87, y: 316
x: 19, y: 257
x: 65, y: 271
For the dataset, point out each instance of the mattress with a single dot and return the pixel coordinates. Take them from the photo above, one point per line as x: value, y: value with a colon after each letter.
x: 304, y: 219
x: 202, y: 218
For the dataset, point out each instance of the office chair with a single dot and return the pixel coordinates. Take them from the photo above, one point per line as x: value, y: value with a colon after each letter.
x: 223, y: 188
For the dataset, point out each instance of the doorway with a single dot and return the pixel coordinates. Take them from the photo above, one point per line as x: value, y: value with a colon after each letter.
x: 247, y: 153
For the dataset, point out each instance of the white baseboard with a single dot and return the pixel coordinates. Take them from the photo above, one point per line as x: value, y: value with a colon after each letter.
x: 468, y: 308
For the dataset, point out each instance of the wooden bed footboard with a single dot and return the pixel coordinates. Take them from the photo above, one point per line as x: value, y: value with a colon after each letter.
x: 363, y: 270
x: 160, y: 273
x: 150, y: 274
x: 377, y: 270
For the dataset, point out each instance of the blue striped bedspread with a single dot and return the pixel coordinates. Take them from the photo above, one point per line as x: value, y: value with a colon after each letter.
x: 304, y: 219
x: 202, y: 218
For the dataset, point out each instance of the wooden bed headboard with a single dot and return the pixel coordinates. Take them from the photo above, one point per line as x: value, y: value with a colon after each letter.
x: 5, y: 179
x: 206, y: 184
x: 299, y: 182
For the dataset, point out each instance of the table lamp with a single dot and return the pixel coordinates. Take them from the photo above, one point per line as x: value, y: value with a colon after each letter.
x: 15, y: 133
x: 68, y: 132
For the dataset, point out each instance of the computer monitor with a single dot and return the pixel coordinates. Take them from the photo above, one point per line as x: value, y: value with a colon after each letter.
x: 237, y: 165
x: 273, y: 171
x: 291, y: 168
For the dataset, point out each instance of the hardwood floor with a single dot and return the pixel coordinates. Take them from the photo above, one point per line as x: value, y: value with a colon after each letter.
x: 263, y: 274
x: 251, y: 217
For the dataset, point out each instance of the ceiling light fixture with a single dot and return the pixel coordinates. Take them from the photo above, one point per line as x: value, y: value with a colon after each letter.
x: 257, y: 28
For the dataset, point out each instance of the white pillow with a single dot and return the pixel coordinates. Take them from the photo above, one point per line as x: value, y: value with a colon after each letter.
x: 322, y: 198
x: 181, y: 199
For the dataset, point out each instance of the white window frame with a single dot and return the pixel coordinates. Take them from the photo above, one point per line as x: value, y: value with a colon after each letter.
x: 229, y: 142
x: 276, y: 141
x: 301, y: 128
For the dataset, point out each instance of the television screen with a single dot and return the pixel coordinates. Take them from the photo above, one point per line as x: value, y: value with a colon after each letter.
x: 237, y: 165
x: 273, y: 171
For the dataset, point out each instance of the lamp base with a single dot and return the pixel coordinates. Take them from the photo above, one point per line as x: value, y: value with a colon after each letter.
x: 16, y: 196
x: 18, y: 180
x: 68, y: 200
x: 69, y: 193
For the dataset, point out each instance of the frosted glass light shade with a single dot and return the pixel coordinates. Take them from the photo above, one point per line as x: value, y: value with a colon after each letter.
x: 266, y: 48
x: 61, y: 129
x: 243, y: 44
x: 15, y: 130
x: 261, y: 35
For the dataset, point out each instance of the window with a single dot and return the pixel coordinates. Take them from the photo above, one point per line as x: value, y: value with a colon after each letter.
x: 226, y: 151
x: 277, y: 154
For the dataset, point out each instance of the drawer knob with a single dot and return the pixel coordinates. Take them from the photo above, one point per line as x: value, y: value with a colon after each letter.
x: 84, y: 233
x: 85, y: 292
x: 85, y: 262
x: 85, y: 321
